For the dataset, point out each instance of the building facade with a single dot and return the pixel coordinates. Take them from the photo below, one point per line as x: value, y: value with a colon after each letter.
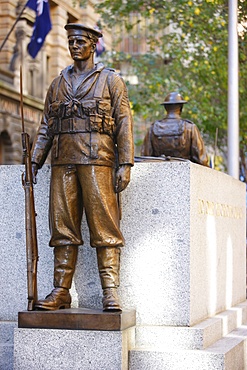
x: 37, y: 73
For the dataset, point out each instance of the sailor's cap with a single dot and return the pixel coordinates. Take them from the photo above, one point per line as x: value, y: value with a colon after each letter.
x: 76, y: 29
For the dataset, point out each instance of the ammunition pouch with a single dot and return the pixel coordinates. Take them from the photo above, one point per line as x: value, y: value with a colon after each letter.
x: 87, y: 116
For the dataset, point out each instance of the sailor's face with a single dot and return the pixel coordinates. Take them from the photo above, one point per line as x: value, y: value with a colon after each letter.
x: 80, y: 47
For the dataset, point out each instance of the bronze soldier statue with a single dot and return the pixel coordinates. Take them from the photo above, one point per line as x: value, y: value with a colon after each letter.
x: 87, y: 126
x: 174, y: 136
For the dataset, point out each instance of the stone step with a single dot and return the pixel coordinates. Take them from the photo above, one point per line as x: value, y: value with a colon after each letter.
x: 227, y: 353
x: 199, y: 336
x: 7, y: 344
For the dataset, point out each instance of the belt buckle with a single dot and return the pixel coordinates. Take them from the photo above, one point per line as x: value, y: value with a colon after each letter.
x: 71, y: 126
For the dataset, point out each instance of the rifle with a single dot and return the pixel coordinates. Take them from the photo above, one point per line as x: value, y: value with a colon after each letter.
x: 160, y: 158
x: 30, y: 221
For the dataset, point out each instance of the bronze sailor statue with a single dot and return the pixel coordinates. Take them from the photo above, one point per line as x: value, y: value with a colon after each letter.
x: 87, y: 127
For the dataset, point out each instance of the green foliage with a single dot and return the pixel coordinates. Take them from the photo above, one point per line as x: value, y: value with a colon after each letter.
x: 187, y: 52
x: 82, y: 3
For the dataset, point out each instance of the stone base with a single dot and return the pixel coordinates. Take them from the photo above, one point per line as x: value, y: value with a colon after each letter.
x: 228, y: 354
x: 39, y: 349
x: 105, y: 346
x: 218, y: 343
x: 6, y: 344
x: 183, y: 263
x: 199, y: 336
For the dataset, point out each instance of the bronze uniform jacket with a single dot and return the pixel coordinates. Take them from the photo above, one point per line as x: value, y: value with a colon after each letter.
x: 87, y: 126
x: 176, y: 138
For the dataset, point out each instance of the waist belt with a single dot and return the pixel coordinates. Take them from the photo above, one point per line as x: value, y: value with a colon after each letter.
x: 72, y: 125
x: 93, y: 123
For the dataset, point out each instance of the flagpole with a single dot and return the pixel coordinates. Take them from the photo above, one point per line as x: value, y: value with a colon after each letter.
x: 233, y: 91
x: 13, y: 26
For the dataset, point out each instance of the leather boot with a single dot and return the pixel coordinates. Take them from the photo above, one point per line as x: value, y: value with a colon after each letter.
x: 65, y: 258
x: 109, y: 264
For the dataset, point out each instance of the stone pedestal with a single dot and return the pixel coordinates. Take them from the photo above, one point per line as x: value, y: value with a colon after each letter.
x: 74, y: 339
x: 183, y: 268
x: 39, y: 349
x: 185, y: 254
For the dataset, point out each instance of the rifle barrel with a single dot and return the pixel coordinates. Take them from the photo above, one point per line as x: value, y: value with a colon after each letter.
x: 21, y: 100
x: 30, y: 221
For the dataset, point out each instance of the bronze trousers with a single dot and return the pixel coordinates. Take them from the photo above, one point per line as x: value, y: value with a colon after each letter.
x: 75, y: 188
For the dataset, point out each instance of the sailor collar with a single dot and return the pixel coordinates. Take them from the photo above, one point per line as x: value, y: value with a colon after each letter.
x: 68, y: 71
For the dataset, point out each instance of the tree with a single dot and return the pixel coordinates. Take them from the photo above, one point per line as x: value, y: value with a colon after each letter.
x: 188, y: 46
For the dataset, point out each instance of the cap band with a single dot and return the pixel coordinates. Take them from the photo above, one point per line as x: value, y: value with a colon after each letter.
x: 75, y: 29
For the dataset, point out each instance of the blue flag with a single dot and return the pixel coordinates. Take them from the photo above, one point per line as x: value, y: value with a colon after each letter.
x: 42, y: 25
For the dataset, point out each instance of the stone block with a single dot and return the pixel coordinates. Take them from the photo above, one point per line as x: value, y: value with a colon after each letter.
x: 7, y: 344
x: 227, y: 353
x: 6, y: 356
x: 38, y: 349
x: 12, y: 240
x: 184, y: 258
x: 183, y: 263
x: 199, y: 336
